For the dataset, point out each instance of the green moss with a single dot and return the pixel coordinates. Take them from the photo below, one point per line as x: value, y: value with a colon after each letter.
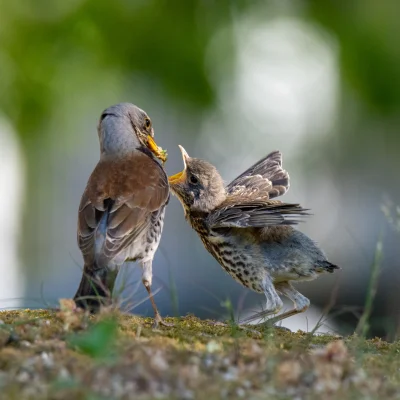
x: 68, y: 354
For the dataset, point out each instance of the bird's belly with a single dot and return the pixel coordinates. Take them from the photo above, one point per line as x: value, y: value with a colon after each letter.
x: 287, y: 262
x: 248, y: 262
x: 146, y: 245
x: 240, y: 261
x: 135, y: 250
x: 284, y: 274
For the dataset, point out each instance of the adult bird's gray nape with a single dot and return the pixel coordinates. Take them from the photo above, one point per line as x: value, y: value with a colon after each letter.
x: 122, y: 209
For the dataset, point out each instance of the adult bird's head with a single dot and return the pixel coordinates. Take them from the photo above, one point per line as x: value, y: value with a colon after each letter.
x: 125, y: 127
x: 199, y: 187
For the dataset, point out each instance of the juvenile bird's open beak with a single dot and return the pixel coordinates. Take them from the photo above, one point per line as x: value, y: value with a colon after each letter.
x: 156, y: 150
x: 180, y: 176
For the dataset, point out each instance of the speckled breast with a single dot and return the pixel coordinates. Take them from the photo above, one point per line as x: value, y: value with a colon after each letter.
x: 233, y: 259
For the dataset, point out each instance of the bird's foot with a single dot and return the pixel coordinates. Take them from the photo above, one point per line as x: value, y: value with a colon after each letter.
x: 252, y: 331
x: 271, y: 325
x: 217, y: 323
x: 239, y: 326
x: 244, y: 327
x: 264, y: 325
x: 282, y: 328
x: 159, y: 321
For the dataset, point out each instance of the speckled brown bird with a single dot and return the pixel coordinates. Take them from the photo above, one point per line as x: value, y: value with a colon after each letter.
x: 249, y: 234
x: 122, y: 209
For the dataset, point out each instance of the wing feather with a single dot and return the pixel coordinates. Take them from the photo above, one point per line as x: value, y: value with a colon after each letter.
x: 256, y: 214
x: 117, y: 205
x: 262, y: 181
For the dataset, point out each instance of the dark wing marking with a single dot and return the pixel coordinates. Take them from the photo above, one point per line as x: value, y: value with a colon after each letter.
x: 255, y: 214
x: 264, y: 180
x: 117, y: 205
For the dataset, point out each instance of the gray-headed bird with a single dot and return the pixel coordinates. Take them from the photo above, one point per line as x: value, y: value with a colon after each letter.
x: 249, y: 234
x: 121, y: 213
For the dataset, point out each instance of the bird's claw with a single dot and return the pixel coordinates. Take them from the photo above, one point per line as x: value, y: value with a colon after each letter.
x: 159, y: 321
x: 243, y: 326
x: 239, y: 326
x: 282, y: 328
x: 217, y: 323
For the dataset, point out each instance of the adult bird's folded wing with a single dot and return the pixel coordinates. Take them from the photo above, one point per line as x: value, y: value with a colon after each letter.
x: 264, y: 180
x: 117, y: 205
x: 255, y: 214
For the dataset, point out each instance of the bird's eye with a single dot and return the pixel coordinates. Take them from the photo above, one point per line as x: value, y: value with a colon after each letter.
x: 147, y: 123
x: 193, y: 179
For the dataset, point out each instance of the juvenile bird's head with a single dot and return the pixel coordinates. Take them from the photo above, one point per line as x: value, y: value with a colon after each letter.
x: 125, y: 127
x: 199, y: 187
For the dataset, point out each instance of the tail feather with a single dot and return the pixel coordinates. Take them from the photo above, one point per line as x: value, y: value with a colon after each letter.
x: 95, y: 289
x: 329, y: 267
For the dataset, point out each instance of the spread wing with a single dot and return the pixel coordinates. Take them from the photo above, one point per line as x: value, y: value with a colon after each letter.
x: 264, y: 180
x: 248, y: 202
x: 255, y: 214
x: 117, y: 204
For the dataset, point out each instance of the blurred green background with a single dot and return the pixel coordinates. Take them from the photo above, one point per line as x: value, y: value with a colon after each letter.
x: 230, y: 81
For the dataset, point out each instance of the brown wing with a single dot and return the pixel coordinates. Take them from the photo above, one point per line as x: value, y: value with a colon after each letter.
x: 264, y: 180
x: 117, y: 204
x: 256, y: 214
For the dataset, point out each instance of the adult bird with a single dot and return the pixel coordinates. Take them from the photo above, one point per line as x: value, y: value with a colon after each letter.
x: 121, y: 213
x: 249, y: 234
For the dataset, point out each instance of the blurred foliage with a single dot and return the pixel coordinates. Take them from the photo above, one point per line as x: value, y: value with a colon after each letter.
x: 367, y: 32
x: 98, y: 340
x: 392, y: 214
x: 166, y: 41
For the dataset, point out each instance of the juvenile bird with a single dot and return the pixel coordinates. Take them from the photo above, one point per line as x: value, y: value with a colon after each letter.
x: 249, y: 234
x: 121, y: 213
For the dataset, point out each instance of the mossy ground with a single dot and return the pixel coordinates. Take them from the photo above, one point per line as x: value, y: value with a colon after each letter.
x: 67, y: 354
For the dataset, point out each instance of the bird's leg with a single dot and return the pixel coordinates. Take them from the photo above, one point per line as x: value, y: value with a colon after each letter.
x: 274, y: 302
x: 147, y: 277
x: 301, y: 303
x: 157, y: 317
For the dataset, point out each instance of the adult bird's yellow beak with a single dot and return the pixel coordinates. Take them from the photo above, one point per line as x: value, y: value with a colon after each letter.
x: 180, y: 176
x: 156, y: 150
